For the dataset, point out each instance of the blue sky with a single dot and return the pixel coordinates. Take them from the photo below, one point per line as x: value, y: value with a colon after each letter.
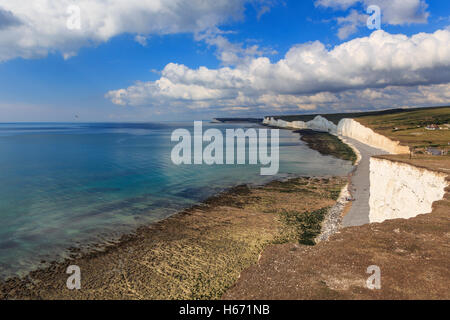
x: 107, y: 75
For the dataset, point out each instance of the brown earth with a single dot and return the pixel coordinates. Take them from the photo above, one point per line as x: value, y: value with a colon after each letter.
x: 196, y: 254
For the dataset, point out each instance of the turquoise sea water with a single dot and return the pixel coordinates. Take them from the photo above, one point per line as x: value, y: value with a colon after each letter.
x: 71, y: 184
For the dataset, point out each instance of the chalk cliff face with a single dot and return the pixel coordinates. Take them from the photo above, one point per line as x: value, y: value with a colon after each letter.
x: 353, y: 129
x: 282, y: 123
x: 321, y: 124
x: 397, y: 190
x: 275, y: 123
x: 318, y: 123
x: 400, y: 190
x: 346, y: 128
x: 299, y: 125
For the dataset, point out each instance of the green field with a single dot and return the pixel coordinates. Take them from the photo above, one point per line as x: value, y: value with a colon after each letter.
x: 405, y: 125
x: 336, y: 117
x: 409, y: 127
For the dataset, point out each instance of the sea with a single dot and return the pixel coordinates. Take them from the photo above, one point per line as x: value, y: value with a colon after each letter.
x: 75, y: 185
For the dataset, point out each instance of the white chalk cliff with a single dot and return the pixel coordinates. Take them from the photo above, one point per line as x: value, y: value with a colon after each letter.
x: 346, y: 128
x: 400, y: 190
x: 397, y: 190
x: 319, y: 123
x: 353, y: 129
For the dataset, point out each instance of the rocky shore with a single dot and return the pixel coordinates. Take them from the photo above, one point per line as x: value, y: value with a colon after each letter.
x: 196, y: 254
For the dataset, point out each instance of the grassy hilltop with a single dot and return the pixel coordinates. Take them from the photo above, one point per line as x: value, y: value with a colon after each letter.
x: 336, y: 117
x: 409, y: 127
x: 405, y: 125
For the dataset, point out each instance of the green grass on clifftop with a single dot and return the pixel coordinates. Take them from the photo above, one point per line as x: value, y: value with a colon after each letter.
x: 336, y: 117
x: 409, y: 127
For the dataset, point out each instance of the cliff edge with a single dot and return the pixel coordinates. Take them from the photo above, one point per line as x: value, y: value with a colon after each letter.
x: 407, y: 237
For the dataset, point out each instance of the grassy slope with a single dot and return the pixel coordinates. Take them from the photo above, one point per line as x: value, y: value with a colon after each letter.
x: 409, y: 127
x: 336, y: 117
x: 404, y: 125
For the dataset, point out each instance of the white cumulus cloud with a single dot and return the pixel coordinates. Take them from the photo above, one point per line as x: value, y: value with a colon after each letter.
x: 309, y: 76
x: 33, y: 28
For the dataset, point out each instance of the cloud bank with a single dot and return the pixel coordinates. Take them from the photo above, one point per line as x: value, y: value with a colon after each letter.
x: 43, y: 23
x: 309, y: 76
x: 383, y: 70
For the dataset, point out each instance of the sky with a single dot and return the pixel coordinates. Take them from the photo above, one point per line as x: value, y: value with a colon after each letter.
x: 164, y: 60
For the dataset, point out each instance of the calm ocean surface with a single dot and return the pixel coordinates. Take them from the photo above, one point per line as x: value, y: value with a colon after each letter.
x: 70, y: 185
